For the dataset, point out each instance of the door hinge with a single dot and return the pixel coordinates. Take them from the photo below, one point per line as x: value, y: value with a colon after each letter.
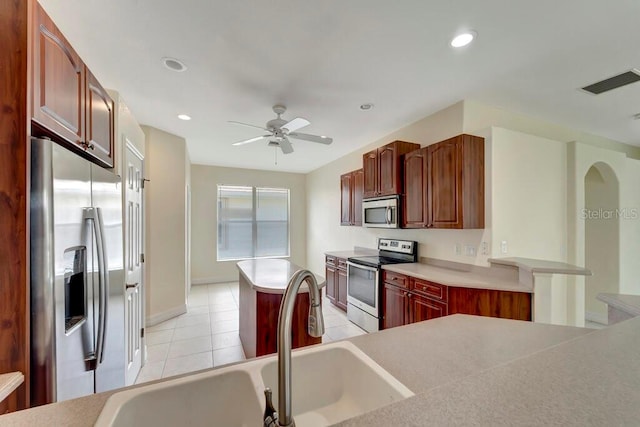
x: 141, y: 257
x: 142, y: 181
x: 141, y: 332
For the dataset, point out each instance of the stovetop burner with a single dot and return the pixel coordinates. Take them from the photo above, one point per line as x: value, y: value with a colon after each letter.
x: 377, y: 261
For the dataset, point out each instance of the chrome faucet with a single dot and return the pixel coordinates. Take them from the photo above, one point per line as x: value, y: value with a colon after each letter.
x: 283, y: 417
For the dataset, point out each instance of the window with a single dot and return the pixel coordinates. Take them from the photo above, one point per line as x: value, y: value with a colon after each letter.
x: 252, y: 222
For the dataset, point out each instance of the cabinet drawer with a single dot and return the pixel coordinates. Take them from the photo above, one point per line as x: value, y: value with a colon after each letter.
x: 342, y: 263
x: 430, y: 289
x: 330, y: 260
x: 396, y: 279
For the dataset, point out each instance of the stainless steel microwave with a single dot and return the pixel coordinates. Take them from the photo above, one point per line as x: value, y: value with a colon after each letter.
x: 381, y: 212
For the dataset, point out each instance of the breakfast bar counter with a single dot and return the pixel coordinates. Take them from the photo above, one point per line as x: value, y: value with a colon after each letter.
x: 467, y: 370
x: 262, y: 284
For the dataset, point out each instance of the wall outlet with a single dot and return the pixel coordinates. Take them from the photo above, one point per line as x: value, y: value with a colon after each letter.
x: 503, y: 247
x: 456, y: 249
x: 485, y: 248
x: 470, y: 250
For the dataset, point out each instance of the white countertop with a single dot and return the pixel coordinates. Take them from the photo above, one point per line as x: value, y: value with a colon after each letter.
x: 630, y: 304
x: 542, y: 266
x: 461, y: 279
x: 271, y: 275
x: 9, y: 382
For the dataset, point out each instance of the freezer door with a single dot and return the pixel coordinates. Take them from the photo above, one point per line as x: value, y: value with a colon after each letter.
x: 61, y: 314
x: 107, y: 200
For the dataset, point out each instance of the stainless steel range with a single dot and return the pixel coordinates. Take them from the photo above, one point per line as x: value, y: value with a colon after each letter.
x: 363, y: 280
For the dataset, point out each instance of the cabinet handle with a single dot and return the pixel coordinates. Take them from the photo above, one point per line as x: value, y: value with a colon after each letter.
x: 87, y: 145
x: 409, y: 295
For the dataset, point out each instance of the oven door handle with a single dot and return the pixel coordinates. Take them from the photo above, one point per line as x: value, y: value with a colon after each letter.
x: 363, y: 267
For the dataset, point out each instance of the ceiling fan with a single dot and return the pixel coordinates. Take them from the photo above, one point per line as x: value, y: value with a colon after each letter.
x: 281, y: 130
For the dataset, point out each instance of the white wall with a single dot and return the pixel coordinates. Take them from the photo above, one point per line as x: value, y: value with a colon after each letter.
x: 204, y: 181
x: 167, y: 163
x: 528, y: 189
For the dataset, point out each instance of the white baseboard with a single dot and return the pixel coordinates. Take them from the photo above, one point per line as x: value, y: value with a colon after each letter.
x: 596, y: 317
x: 209, y: 280
x: 166, y: 315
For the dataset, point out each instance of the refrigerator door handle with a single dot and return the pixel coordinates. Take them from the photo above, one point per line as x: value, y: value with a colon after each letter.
x: 95, y: 216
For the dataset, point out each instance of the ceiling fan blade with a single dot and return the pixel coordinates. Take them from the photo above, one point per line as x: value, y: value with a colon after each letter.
x: 285, y: 145
x: 295, y: 124
x: 247, y: 124
x: 247, y: 141
x: 313, y: 138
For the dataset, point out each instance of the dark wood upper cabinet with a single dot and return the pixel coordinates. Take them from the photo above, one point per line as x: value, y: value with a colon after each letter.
x: 351, y: 187
x: 99, y: 121
x: 455, y: 183
x: 383, y: 169
x: 356, y: 196
x: 58, y: 81
x: 370, y: 168
x: 69, y: 104
x: 414, y: 212
x: 345, y: 199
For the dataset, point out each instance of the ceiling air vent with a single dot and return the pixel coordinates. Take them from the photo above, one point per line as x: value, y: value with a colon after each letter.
x: 614, y: 82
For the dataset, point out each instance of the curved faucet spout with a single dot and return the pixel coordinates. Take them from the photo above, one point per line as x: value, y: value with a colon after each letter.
x: 315, y: 329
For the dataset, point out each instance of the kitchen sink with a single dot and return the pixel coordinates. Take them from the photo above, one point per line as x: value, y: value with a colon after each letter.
x: 331, y: 383
x: 219, y: 397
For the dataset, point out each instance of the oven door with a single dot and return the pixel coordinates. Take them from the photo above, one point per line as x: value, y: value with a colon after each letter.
x: 362, y: 288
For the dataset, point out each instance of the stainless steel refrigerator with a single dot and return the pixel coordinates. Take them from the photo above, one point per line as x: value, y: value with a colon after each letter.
x: 77, y: 276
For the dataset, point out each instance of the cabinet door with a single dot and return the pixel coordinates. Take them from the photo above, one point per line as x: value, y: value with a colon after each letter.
x: 422, y: 308
x: 341, y: 289
x: 330, y: 274
x: 414, y: 212
x: 444, y: 184
x: 388, y: 179
x: 345, y: 199
x: 395, y: 307
x: 357, y: 188
x: 58, y: 82
x: 99, y: 121
x: 370, y: 170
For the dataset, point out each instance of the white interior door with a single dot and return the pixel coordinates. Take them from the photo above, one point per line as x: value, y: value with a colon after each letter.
x: 134, y: 227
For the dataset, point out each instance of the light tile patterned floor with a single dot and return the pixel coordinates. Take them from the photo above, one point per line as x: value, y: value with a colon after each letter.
x: 207, y: 336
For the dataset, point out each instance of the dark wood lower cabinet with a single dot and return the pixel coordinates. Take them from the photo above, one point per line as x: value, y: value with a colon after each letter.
x: 341, y: 288
x: 422, y: 308
x: 336, y: 281
x: 408, y: 300
x: 395, y: 307
x: 492, y: 303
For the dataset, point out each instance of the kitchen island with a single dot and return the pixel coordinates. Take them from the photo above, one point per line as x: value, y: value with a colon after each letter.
x: 468, y: 370
x: 262, y: 284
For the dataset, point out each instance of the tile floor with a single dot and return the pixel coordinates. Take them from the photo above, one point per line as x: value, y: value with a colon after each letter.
x: 207, y: 335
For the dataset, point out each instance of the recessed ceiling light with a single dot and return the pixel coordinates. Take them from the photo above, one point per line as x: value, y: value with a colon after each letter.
x: 184, y: 117
x: 174, y: 64
x: 366, y: 107
x: 463, y: 39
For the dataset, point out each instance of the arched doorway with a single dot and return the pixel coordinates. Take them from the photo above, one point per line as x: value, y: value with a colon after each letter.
x: 602, y: 238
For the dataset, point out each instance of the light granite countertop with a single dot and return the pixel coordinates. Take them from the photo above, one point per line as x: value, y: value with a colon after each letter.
x: 630, y: 304
x: 271, y: 276
x: 352, y: 253
x: 462, y: 279
x: 9, y: 382
x: 442, y: 353
x: 542, y: 266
